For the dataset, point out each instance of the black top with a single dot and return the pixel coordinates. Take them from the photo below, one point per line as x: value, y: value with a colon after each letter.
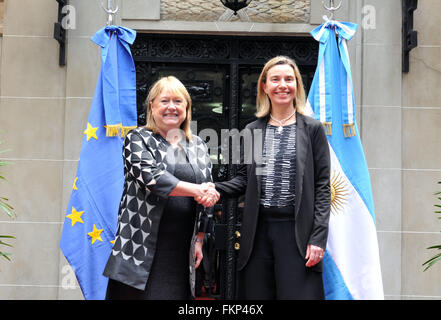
x: 177, y: 222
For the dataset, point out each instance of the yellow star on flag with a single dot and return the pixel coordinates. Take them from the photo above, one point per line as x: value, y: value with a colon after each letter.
x: 95, y: 234
x: 75, y: 184
x: 75, y: 216
x: 91, y: 132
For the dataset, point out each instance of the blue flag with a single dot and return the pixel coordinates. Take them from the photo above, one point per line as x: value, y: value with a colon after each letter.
x: 91, y: 218
x: 351, y: 266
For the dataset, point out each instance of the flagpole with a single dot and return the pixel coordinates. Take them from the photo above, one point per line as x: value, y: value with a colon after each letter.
x: 110, y: 11
x: 331, y: 7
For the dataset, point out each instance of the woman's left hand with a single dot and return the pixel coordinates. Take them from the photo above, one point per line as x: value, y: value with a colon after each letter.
x: 198, y: 253
x: 313, y: 254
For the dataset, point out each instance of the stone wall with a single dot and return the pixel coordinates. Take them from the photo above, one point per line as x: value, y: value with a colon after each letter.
x: 421, y: 157
x: 32, y: 109
x: 400, y: 115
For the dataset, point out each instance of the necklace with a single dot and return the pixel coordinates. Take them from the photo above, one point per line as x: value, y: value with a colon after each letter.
x: 282, y: 121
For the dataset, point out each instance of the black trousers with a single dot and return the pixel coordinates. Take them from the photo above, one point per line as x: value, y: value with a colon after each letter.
x: 276, y: 270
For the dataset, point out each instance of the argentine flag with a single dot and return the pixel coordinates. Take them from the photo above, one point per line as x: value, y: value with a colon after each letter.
x: 351, y: 267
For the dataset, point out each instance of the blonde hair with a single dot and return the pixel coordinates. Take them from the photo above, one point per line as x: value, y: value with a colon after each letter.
x: 174, y: 86
x: 263, y: 102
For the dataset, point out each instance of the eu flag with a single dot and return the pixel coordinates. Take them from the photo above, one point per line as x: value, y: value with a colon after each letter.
x: 91, y: 218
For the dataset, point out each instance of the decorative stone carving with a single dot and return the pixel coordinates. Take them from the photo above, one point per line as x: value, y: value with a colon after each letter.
x: 270, y: 11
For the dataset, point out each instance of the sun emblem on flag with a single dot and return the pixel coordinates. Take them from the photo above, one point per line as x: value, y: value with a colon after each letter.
x: 339, y: 192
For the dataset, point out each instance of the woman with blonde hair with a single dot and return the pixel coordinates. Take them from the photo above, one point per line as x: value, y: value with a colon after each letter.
x: 161, y: 226
x: 287, y: 199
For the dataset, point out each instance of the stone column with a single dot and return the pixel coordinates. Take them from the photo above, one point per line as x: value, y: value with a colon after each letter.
x: 32, y: 102
x: 421, y: 157
x: 380, y: 115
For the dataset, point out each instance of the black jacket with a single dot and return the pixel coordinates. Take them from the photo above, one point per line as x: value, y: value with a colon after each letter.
x: 312, y: 187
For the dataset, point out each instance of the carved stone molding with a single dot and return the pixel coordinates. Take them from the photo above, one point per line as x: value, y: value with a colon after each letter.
x: 272, y: 11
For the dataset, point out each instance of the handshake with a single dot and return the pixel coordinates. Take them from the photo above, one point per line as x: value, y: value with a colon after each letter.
x: 206, y: 194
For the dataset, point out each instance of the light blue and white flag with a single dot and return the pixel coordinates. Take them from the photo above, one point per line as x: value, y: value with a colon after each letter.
x: 351, y: 264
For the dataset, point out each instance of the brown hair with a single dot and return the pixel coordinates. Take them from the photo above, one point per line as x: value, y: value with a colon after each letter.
x: 263, y: 102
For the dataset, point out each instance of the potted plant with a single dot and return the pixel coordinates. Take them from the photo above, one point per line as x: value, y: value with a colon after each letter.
x: 9, y: 210
x: 436, y: 257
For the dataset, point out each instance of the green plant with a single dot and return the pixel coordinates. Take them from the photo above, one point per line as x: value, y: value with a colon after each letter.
x: 9, y: 210
x: 436, y: 257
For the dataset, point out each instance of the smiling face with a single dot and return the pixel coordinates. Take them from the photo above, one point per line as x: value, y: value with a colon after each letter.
x: 169, y: 110
x: 280, y: 85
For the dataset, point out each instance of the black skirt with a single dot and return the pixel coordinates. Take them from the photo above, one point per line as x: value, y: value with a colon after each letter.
x: 169, y: 277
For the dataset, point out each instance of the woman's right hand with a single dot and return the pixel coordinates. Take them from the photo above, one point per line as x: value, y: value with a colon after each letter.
x: 206, y: 194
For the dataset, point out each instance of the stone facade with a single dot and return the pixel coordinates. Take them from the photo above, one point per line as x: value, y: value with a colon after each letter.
x: 32, y: 106
x: 421, y: 154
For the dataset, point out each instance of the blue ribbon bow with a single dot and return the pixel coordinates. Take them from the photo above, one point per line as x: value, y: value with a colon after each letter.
x: 118, y: 78
x: 334, y: 87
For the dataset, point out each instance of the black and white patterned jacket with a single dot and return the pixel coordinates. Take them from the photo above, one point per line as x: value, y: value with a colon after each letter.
x: 148, y: 170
